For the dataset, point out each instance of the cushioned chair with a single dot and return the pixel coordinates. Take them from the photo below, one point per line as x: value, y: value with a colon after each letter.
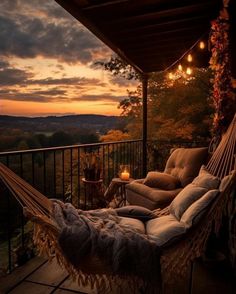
x: 157, y: 190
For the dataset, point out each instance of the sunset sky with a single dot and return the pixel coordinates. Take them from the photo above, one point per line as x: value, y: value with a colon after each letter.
x: 47, y: 63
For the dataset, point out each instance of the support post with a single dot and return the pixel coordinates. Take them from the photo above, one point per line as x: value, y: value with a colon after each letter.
x: 144, y: 90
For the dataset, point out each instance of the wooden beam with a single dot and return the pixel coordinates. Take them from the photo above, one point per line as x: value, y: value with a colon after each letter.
x: 170, y: 13
x: 138, y: 28
x: 200, y: 28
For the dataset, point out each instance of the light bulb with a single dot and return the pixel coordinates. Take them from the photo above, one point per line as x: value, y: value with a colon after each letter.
x: 180, y: 68
x: 201, y: 45
x: 170, y: 76
x: 190, y: 58
x: 188, y: 71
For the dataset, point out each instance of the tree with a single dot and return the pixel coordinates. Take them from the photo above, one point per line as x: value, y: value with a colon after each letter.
x: 115, y: 135
x: 177, y: 108
x: 60, y: 139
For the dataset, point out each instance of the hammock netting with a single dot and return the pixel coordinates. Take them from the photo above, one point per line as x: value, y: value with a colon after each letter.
x: 174, y: 259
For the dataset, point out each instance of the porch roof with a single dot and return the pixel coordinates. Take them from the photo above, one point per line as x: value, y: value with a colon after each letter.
x: 149, y: 34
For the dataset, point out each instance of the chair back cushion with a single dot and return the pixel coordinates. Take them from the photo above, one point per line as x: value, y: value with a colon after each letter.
x: 185, y: 163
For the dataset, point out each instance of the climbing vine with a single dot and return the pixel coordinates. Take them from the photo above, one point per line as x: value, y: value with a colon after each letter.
x: 222, y: 94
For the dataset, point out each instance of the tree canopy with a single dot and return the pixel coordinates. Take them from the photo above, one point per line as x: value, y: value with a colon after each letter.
x: 177, y: 108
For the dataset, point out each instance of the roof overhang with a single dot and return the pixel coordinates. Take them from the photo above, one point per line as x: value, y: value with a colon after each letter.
x: 149, y: 34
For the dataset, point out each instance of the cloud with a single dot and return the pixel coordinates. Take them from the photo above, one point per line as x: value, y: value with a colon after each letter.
x: 99, y: 97
x: 10, y: 76
x: 28, y: 34
x: 73, y: 81
x: 122, y: 82
x: 44, y: 96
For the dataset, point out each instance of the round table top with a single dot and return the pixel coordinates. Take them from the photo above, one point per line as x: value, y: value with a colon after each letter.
x: 120, y: 181
x: 92, y: 182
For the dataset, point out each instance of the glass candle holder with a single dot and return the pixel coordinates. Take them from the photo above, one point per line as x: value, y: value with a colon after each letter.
x: 124, y: 173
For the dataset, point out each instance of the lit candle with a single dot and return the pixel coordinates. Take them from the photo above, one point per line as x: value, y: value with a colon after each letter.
x: 124, y: 175
x: 180, y: 68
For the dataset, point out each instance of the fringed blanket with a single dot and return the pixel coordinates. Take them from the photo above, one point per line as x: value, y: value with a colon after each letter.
x: 99, y: 233
x: 85, y: 234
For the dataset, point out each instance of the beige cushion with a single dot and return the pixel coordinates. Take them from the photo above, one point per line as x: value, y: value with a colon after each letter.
x: 195, y: 211
x: 224, y: 182
x: 162, y: 181
x: 184, y: 163
x: 151, y: 198
x: 165, y: 229
x: 133, y: 223
x: 185, y: 198
x: 206, y: 180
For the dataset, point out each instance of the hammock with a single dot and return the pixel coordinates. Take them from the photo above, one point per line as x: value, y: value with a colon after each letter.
x: 175, y: 259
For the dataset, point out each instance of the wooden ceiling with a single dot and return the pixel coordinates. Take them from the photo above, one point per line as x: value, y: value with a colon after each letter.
x: 149, y: 34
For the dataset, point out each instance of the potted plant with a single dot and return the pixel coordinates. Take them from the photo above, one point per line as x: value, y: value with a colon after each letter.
x: 92, y: 167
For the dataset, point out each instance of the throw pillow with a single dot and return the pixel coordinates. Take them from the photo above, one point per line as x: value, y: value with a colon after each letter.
x: 135, y: 211
x: 224, y: 182
x: 195, y: 211
x: 185, y: 198
x: 161, y: 181
x: 165, y: 229
x: 206, y: 180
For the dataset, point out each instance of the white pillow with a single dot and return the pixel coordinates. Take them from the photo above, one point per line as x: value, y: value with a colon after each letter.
x: 195, y: 211
x: 165, y: 229
x: 224, y: 182
x: 185, y: 198
x: 206, y: 180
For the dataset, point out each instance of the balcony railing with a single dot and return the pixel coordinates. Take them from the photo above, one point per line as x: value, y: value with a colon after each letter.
x: 57, y: 172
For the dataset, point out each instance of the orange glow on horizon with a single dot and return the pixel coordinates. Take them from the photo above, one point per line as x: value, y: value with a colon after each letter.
x: 23, y: 108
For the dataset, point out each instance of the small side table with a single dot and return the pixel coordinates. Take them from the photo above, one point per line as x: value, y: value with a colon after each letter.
x: 93, y: 190
x: 116, y: 192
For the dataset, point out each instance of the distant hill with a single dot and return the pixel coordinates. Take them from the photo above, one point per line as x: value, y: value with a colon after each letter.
x: 98, y: 123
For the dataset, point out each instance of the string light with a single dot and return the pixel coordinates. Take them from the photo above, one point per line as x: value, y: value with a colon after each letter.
x: 180, y: 68
x: 189, y: 58
x: 201, y: 45
x: 180, y: 71
x: 189, y: 71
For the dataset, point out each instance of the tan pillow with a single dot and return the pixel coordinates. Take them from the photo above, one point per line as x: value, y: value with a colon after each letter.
x: 195, y: 211
x: 161, y: 181
x: 165, y: 229
x: 206, y: 180
x: 185, y: 198
x: 224, y: 182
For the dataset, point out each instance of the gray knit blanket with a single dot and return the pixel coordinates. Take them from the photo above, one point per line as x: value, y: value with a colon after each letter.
x: 99, y: 233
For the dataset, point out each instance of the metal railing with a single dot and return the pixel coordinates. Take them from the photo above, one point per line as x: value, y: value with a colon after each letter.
x: 57, y: 172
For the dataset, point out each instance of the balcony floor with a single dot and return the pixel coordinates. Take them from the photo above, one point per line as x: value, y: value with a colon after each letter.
x: 39, y: 276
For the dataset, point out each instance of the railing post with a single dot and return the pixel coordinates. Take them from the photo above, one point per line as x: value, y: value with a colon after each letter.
x: 144, y: 90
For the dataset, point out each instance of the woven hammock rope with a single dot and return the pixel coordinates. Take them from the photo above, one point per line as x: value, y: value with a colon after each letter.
x: 174, y: 260
x: 223, y: 159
